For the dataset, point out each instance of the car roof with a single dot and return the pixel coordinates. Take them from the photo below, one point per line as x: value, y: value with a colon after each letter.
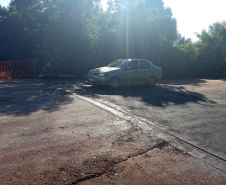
x: 129, y: 59
x: 132, y: 59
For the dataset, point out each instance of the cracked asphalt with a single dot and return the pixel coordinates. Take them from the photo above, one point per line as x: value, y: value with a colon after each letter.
x: 195, y: 112
x: 49, y: 136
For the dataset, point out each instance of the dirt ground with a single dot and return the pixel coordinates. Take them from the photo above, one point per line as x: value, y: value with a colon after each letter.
x: 48, y: 136
x: 165, y: 165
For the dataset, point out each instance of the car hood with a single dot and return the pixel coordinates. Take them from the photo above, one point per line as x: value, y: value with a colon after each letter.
x: 104, y: 69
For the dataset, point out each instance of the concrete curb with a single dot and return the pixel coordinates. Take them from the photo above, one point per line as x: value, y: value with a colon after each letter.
x: 58, y: 76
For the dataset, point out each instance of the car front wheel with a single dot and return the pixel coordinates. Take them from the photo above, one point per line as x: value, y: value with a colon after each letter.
x: 114, y: 83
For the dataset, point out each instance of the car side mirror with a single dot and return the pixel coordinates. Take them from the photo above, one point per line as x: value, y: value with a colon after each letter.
x: 128, y: 68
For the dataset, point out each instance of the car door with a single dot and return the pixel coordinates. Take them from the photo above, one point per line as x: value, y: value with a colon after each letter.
x: 144, y: 71
x: 130, y: 75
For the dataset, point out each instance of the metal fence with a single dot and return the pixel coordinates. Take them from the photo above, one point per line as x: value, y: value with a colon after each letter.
x: 17, y: 69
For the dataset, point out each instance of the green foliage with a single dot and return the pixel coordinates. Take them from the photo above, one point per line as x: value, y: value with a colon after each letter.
x: 211, y: 51
x: 135, y: 29
x: 67, y: 43
x: 72, y: 37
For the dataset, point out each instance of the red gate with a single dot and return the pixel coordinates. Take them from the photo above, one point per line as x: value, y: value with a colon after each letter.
x: 17, y: 69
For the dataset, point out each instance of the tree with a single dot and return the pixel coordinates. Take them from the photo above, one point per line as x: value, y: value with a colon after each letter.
x: 19, y: 30
x: 135, y: 29
x: 67, y: 43
x: 72, y: 37
x: 211, y: 51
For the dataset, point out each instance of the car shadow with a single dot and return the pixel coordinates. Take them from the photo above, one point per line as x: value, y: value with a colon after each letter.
x: 24, y: 97
x: 192, y: 82
x: 159, y: 96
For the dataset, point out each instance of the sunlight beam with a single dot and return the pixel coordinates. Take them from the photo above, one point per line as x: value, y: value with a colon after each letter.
x: 127, y: 32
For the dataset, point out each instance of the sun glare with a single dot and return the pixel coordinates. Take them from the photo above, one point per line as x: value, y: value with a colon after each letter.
x: 104, y: 4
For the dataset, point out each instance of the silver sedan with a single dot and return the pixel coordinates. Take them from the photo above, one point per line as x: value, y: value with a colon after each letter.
x: 126, y: 72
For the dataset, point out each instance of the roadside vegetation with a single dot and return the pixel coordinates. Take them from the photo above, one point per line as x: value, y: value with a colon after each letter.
x: 72, y: 37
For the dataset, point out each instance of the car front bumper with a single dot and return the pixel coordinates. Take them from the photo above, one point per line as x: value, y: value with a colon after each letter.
x: 99, y: 80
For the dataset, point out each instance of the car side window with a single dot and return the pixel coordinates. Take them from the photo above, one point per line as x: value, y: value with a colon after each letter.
x: 133, y: 64
x: 144, y: 65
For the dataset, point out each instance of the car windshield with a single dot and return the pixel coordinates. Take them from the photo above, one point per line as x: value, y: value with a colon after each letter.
x: 118, y: 63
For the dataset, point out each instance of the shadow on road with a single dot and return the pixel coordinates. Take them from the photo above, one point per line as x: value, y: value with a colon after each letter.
x: 158, y: 96
x: 192, y: 82
x: 24, y: 97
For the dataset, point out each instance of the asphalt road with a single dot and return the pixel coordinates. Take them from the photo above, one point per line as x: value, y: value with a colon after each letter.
x: 196, y: 112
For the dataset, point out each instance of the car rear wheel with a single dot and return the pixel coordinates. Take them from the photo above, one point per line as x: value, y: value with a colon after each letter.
x: 151, y: 81
x: 114, y: 83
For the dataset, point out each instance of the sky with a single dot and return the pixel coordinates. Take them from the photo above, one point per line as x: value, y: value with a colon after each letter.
x: 195, y: 15
x: 192, y: 15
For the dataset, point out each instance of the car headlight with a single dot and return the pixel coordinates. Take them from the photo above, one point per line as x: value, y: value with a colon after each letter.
x: 103, y: 74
